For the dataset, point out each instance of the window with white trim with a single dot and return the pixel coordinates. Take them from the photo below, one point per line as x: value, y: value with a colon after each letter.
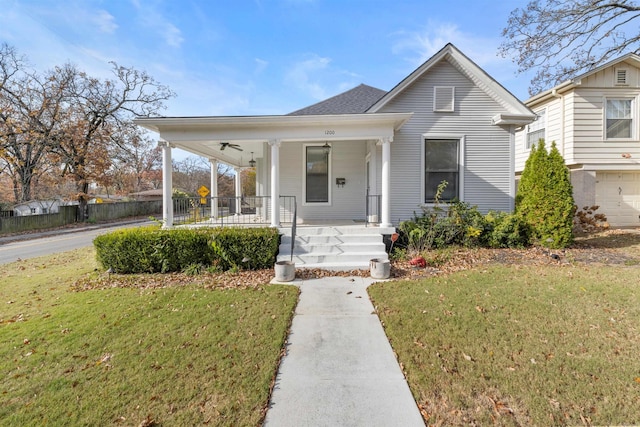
x: 444, y: 99
x: 536, y: 130
x: 441, y: 163
x: 619, y: 118
x: 316, y: 175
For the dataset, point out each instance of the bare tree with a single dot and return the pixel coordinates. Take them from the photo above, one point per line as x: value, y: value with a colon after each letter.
x: 135, y: 159
x: 561, y: 39
x: 194, y: 171
x: 98, y: 112
x: 30, y: 108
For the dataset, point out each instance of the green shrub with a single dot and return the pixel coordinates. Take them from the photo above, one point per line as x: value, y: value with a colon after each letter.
x: 443, y: 225
x: 545, y: 197
x: 153, y: 250
x: 506, y: 230
x: 249, y: 248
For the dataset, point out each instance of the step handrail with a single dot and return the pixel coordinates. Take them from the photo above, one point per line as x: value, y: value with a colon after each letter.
x: 293, y: 226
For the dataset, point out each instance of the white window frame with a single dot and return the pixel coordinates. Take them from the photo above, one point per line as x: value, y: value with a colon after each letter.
x: 439, y: 92
x: 461, y: 164
x: 535, y: 127
x: 304, y: 176
x: 634, y: 118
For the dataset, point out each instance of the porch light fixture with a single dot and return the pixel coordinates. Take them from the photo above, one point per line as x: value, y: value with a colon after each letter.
x: 326, y: 149
x: 252, y: 162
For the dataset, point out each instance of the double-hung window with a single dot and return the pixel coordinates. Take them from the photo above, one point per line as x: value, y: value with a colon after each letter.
x: 441, y: 161
x: 535, y: 130
x: 619, y: 118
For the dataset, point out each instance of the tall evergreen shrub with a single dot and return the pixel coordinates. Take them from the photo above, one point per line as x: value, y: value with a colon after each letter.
x: 545, y: 197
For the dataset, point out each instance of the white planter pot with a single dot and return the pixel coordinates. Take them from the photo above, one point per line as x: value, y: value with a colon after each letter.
x: 380, y: 269
x: 285, y: 271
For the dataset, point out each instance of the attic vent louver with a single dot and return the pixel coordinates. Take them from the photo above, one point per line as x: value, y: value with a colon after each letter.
x: 621, y: 77
x: 443, y: 98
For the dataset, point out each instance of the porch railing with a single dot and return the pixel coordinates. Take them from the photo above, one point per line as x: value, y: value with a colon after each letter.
x: 374, y: 208
x: 221, y: 211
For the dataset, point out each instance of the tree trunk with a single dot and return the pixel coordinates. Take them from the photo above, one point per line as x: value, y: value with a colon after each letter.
x: 83, y: 201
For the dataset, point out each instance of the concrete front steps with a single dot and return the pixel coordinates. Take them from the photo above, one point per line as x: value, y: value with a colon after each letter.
x: 337, y: 248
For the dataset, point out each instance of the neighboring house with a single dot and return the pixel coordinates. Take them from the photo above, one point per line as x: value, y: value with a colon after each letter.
x: 594, y: 120
x: 37, y: 207
x: 147, y: 195
x: 448, y: 120
x: 105, y: 198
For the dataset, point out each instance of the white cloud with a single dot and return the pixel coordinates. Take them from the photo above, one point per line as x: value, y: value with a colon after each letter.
x: 261, y: 65
x: 151, y: 18
x: 421, y: 45
x: 418, y: 46
x: 105, y: 22
x: 305, y: 75
x: 172, y: 35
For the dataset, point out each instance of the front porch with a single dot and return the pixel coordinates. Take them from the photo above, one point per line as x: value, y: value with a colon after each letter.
x: 256, y: 210
x: 334, y: 166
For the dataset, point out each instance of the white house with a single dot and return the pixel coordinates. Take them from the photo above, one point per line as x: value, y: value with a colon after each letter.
x: 594, y: 121
x: 38, y: 207
x: 448, y: 120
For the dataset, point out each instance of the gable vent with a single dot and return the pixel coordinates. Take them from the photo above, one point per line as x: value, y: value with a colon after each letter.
x: 621, y: 77
x: 443, y: 98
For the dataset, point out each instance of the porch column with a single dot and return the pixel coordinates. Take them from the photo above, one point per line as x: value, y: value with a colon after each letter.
x: 167, y: 185
x: 238, y: 191
x: 275, y: 182
x: 214, y: 188
x: 385, y: 221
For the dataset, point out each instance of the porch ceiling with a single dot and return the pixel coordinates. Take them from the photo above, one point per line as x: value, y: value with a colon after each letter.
x: 203, y: 135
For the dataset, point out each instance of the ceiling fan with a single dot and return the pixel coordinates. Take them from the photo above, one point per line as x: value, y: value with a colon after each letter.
x: 224, y: 145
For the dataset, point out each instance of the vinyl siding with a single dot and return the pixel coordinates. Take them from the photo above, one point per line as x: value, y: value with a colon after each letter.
x: 590, y: 143
x: 487, y: 172
x: 592, y: 158
x: 584, y: 139
x: 347, y: 161
x: 553, y: 131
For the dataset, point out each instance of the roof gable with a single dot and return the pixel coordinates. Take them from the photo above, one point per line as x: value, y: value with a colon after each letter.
x: 354, y: 101
x: 631, y: 59
x: 477, y: 75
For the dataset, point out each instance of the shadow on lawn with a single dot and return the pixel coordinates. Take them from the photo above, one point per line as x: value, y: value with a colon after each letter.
x: 611, y: 239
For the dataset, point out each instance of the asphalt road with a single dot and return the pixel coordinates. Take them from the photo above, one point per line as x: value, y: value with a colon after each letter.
x: 39, y: 244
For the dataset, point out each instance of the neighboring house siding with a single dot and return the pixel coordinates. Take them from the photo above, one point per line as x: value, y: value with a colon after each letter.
x: 553, y: 131
x: 604, y: 171
x: 591, y: 144
x: 487, y: 176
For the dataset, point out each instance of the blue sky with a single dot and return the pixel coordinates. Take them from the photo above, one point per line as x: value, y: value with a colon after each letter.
x: 253, y: 57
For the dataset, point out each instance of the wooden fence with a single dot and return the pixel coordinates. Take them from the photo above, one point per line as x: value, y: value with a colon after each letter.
x: 66, y: 215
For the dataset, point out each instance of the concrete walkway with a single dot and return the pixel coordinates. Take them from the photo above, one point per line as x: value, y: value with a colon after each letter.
x: 339, y: 368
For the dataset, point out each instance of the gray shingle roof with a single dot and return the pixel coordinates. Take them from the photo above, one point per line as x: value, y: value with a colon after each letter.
x: 354, y: 101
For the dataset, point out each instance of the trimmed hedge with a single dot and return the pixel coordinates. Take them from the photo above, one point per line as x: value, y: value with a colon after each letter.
x: 154, y: 250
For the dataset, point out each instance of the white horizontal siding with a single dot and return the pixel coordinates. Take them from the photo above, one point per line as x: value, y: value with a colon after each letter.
x: 589, y: 142
x: 347, y: 161
x: 487, y: 171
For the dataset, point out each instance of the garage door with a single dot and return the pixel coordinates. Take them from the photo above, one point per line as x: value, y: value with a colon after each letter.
x: 618, y: 195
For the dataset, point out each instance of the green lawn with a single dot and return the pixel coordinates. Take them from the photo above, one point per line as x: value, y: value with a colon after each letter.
x: 519, y: 345
x: 182, y: 355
